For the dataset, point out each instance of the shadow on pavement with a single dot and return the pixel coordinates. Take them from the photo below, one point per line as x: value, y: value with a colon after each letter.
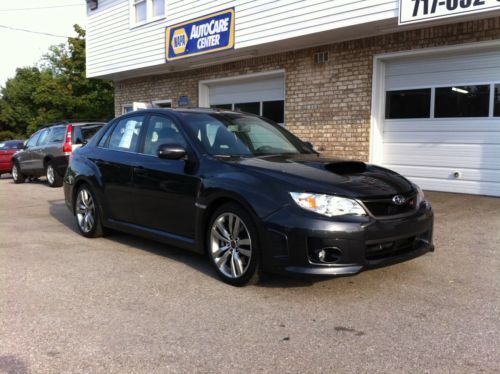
x: 10, y: 364
x: 58, y: 210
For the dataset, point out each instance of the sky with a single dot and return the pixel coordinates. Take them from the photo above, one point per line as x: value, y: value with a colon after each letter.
x: 19, y: 48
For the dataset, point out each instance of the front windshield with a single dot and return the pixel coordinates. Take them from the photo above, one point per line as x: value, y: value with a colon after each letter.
x: 234, y: 134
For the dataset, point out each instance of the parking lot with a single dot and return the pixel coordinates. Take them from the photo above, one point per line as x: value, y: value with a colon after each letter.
x: 126, y: 304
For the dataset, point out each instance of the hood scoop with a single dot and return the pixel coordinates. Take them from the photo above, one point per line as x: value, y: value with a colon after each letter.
x: 346, y: 167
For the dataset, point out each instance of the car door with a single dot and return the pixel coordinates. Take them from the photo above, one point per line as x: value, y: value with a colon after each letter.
x: 24, y: 157
x: 115, y: 158
x: 37, y: 153
x: 165, y: 190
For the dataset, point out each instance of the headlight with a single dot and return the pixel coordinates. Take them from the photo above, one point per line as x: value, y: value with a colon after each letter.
x: 420, y: 196
x: 327, y: 205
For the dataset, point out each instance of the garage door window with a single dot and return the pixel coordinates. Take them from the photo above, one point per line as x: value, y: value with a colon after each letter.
x: 253, y: 108
x: 408, y: 104
x: 496, y: 100
x: 462, y: 101
x: 273, y: 110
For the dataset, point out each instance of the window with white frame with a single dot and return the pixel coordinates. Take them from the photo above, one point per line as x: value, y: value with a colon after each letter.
x: 143, y: 11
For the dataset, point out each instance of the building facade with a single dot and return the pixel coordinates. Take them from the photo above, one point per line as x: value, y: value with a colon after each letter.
x: 359, y: 79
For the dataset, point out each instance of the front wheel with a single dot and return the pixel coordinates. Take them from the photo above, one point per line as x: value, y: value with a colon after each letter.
x: 233, y: 245
x: 87, y: 213
x: 17, y: 175
x: 53, y: 177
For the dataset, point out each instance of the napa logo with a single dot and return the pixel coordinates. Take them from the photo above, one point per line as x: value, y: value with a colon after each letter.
x: 207, y: 34
x: 179, y: 41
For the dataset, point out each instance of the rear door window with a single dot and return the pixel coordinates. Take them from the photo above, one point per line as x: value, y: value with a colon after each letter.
x: 125, y: 135
x: 43, y: 137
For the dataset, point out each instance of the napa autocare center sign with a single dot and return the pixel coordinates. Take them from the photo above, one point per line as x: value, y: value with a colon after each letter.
x: 207, y: 34
x: 411, y: 11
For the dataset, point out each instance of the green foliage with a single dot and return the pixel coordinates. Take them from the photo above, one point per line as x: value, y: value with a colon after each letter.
x: 7, y: 135
x: 55, y: 90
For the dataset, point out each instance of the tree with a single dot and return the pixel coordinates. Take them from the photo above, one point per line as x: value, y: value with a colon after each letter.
x: 55, y: 90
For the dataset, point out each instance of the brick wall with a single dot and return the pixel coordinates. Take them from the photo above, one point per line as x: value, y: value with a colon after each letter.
x: 329, y: 105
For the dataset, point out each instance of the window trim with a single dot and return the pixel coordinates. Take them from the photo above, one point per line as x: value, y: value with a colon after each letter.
x: 149, y: 14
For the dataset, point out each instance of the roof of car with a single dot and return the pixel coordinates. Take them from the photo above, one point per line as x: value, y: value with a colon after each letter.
x: 189, y: 110
x: 79, y: 123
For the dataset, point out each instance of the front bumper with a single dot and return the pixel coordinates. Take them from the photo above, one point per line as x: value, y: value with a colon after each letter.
x: 292, y: 237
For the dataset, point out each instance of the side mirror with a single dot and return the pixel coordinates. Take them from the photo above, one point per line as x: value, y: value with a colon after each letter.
x: 21, y: 146
x: 171, y: 151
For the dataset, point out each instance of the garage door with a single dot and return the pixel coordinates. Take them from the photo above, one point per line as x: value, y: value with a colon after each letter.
x: 262, y: 96
x: 442, y: 121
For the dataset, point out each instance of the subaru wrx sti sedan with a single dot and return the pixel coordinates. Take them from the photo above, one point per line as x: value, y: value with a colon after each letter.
x: 247, y: 193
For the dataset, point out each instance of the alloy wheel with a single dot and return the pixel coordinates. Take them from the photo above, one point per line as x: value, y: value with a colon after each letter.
x: 15, y: 173
x: 230, y: 245
x: 50, y: 174
x: 85, y: 210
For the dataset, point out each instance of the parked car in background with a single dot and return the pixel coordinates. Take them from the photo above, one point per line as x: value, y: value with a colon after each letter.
x: 7, y: 150
x: 47, y: 151
x: 246, y: 192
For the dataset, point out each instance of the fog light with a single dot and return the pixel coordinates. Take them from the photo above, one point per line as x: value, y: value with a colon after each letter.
x: 321, y: 255
x: 327, y: 255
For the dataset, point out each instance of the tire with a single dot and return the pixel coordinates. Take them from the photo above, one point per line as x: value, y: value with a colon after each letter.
x: 88, y: 213
x: 17, y: 176
x: 53, y: 177
x: 233, y: 253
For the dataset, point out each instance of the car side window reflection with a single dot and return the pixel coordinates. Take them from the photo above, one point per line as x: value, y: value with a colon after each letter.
x: 32, y: 141
x: 161, y: 130
x: 43, y: 137
x: 126, y: 133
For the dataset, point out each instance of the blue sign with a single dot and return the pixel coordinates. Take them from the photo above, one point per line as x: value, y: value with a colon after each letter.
x: 183, y: 101
x: 210, y: 33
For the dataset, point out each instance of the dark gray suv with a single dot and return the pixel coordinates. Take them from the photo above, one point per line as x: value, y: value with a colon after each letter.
x: 47, y: 151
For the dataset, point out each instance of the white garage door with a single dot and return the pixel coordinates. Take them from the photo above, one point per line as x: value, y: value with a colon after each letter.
x: 263, y: 96
x: 442, y: 121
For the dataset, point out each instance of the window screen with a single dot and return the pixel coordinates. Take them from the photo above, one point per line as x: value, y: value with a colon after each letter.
x: 408, y: 104
x: 462, y: 101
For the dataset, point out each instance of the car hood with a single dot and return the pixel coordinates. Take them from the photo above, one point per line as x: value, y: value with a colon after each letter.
x: 311, y: 173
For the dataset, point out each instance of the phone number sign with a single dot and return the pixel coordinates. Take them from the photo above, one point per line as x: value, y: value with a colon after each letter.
x: 411, y: 11
x: 210, y: 33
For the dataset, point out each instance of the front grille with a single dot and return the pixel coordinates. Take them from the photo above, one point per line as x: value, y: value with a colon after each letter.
x: 385, y: 207
x: 378, y: 251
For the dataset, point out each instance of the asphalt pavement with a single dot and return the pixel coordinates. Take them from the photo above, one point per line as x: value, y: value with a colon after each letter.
x: 123, y: 304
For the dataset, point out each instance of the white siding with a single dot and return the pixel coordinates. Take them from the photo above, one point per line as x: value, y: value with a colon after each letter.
x: 113, y: 46
x: 430, y: 151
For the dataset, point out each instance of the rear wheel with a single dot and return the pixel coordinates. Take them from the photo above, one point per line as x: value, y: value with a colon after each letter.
x: 17, y: 175
x: 53, y: 177
x: 233, y: 245
x: 87, y: 213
